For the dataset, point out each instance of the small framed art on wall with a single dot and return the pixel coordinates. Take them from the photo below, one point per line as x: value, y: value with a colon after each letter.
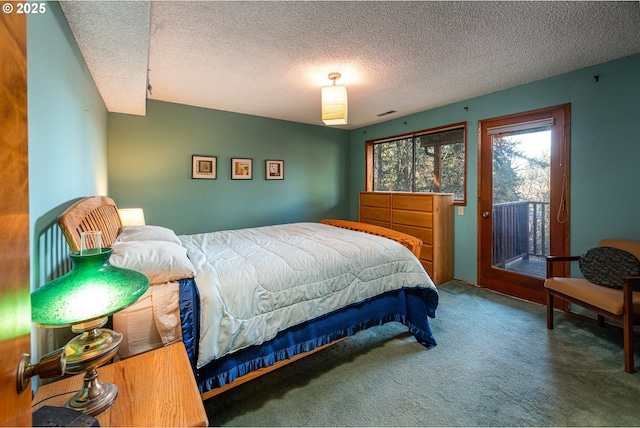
x: 274, y: 169
x: 241, y: 168
x: 204, y: 167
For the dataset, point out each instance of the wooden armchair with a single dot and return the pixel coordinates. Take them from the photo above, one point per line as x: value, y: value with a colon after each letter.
x: 622, y: 305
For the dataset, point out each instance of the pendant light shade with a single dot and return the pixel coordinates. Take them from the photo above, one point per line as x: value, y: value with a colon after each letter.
x: 334, y: 102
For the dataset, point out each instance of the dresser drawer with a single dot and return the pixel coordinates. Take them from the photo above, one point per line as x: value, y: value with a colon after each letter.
x: 428, y: 266
x: 375, y: 213
x: 426, y: 253
x: 426, y: 234
x: 413, y: 202
x: 375, y: 200
x: 412, y: 218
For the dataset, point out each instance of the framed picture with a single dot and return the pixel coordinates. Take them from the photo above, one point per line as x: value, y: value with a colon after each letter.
x: 274, y: 169
x: 204, y: 167
x: 241, y: 168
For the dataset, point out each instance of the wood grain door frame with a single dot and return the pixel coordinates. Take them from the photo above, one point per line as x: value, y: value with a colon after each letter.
x: 15, y: 308
x: 523, y: 286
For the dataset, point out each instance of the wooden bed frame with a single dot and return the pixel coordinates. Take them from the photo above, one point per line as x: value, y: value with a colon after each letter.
x: 411, y: 242
x: 101, y: 213
x: 93, y: 213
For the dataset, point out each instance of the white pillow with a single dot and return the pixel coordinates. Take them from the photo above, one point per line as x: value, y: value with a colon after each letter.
x: 146, y: 233
x: 161, y: 261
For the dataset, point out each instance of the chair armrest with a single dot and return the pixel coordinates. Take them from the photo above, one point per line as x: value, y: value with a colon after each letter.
x: 552, y: 259
x: 562, y: 258
x: 632, y: 282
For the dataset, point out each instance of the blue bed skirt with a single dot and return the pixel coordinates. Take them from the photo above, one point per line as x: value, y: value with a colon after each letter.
x: 409, y: 306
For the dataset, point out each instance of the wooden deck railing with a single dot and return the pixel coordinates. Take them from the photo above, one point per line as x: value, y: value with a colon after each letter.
x: 520, y: 230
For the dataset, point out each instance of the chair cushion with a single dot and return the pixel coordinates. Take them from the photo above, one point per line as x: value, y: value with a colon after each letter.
x: 608, y: 266
x: 607, y: 299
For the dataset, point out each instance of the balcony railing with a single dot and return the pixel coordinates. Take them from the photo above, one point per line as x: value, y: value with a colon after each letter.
x: 520, y: 230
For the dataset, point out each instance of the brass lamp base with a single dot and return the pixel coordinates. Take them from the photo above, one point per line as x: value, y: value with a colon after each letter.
x: 85, y: 353
x: 95, y: 397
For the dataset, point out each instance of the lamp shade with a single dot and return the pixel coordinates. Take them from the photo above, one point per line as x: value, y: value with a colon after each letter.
x: 334, y: 105
x: 92, y: 289
x: 131, y: 216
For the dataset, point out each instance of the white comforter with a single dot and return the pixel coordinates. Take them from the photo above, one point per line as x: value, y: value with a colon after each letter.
x: 256, y: 282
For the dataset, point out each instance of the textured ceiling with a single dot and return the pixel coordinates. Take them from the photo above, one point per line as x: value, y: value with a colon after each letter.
x: 270, y: 58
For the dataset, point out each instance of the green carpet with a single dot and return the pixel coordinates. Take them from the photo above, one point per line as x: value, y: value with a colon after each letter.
x: 496, y: 364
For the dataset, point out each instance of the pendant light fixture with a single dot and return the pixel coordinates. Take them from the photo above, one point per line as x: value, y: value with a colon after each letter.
x: 334, y: 102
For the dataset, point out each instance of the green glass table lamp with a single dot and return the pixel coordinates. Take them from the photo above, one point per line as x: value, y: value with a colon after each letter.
x: 83, y: 299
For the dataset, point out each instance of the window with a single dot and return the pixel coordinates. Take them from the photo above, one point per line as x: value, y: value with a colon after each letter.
x: 433, y: 160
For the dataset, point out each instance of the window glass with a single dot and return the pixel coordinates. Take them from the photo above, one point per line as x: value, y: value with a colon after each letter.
x: 393, y: 166
x: 427, y: 161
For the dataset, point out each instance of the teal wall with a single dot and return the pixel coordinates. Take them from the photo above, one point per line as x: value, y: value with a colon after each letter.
x: 605, y: 150
x: 67, y: 146
x: 67, y: 122
x: 150, y: 167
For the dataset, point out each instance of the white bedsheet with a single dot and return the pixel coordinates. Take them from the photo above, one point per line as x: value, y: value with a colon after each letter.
x: 256, y: 282
x: 151, y: 322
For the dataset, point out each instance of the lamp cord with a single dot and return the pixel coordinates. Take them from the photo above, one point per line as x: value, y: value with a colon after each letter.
x: 53, y: 396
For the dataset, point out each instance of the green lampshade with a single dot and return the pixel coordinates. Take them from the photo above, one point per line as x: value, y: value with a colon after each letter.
x: 92, y: 289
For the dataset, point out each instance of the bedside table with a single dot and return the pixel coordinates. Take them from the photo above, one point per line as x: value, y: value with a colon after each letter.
x: 156, y: 388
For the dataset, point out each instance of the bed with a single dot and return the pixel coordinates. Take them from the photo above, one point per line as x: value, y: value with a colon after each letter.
x: 248, y: 301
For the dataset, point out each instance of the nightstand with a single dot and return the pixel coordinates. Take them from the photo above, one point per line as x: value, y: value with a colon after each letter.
x: 156, y: 388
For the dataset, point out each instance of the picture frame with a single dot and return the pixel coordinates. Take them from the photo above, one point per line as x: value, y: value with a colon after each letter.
x: 204, y: 167
x: 241, y: 168
x: 274, y: 169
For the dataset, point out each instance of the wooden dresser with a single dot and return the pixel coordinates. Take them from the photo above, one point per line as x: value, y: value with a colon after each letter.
x: 428, y: 216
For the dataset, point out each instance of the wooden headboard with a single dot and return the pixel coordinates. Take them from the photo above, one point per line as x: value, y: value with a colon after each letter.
x: 92, y: 213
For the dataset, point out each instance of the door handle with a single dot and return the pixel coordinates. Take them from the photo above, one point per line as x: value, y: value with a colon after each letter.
x: 50, y: 366
x: 486, y: 214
